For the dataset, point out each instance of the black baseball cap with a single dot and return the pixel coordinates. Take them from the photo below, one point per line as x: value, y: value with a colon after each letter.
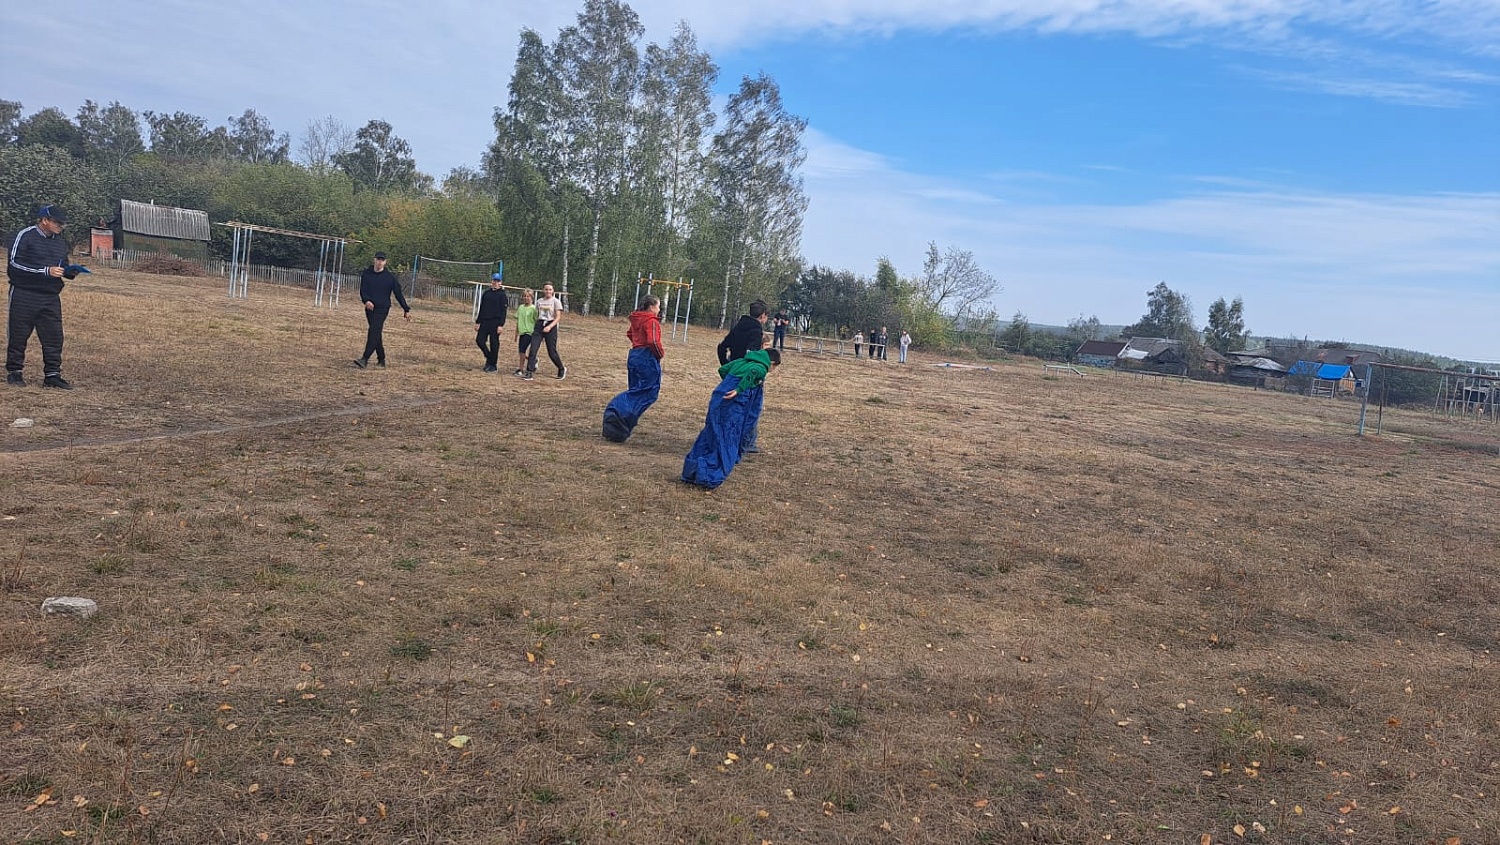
x: 52, y: 212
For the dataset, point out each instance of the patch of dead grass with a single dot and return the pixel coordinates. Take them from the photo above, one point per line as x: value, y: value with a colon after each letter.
x: 989, y: 607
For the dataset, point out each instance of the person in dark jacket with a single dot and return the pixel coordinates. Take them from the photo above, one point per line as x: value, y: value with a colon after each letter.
x: 493, y: 304
x: 38, y: 265
x: 376, y: 286
x: 747, y: 335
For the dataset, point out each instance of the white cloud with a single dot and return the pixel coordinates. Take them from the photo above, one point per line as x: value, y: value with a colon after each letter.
x: 1411, y: 271
x: 1473, y: 24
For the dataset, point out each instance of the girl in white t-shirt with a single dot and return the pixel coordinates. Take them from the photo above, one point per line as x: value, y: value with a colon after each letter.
x: 549, y: 308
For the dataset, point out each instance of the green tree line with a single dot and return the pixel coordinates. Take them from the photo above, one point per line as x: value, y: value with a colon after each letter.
x: 609, y: 160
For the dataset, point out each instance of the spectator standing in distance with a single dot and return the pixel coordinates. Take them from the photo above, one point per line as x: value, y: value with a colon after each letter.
x: 716, y: 452
x: 38, y: 265
x: 779, y: 325
x: 376, y: 287
x: 525, y: 325
x: 493, y: 304
x: 859, y: 342
x: 881, y: 341
x: 870, y: 347
x: 905, y: 342
x: 549, y: 309
x: 643, y: 371
x: 748, y: 334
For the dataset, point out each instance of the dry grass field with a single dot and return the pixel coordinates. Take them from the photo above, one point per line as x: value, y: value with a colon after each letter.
x: 431, y: 605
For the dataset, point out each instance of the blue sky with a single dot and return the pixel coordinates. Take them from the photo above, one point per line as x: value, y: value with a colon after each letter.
x: 1336, y: 163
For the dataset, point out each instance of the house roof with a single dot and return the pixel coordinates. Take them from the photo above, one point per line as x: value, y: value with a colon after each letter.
x: 1102, y: 348
x: 1141, y: 348
x: 1352, y: 357
x: 1326, y: 372
x: 1265, y: 364
x: 163, y: 221
x: 1212, y: 356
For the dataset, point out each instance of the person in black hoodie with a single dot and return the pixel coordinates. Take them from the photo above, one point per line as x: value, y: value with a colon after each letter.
x: 38, y: 264
x: 376, y: 285
x: 493, y: 304
x: 749, y: 333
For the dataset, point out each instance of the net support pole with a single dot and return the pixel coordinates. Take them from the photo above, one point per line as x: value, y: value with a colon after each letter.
x: 1364, y: 401
x: 234, y: 262
x: 242, y: 290
x: 338, y: 272
x: 322, y: 274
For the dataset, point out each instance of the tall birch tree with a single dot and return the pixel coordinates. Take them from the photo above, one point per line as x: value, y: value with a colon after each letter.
x: 599, y: 68
x: 757, y: 189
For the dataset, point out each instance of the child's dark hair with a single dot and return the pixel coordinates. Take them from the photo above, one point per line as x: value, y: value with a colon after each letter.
x: 775, y: 355
x: 647, y: 301
x: 758, y: 308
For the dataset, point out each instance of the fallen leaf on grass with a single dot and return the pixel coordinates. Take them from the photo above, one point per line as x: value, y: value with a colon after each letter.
x: 459, y: 741
x: 1239, y: 830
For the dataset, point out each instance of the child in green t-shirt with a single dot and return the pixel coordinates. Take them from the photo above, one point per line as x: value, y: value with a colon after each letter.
x: 525, y: 324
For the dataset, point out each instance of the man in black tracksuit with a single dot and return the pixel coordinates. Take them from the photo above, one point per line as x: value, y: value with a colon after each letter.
x: 747, y: 334
x: 376, y: 286
x: 493, y: 304
x: 38, y: 265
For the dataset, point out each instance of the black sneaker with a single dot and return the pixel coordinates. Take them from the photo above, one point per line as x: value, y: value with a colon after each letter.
x: 527, y: 375
x: 562, y: 373
x: 380, y: 364
x: 520, y: 373
x: 15, y: 379
x: 490, y: 369
x: 56, y: 381
x: 361, y: 363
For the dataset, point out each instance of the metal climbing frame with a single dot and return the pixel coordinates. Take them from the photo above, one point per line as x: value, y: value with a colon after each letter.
x: 681, y: 313
x: 330, y: 261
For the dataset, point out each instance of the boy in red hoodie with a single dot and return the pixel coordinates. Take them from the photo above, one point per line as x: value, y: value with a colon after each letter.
x: 643, y: 367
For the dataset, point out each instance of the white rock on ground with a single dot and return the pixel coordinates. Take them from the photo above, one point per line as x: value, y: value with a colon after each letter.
x: 70, y: 606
